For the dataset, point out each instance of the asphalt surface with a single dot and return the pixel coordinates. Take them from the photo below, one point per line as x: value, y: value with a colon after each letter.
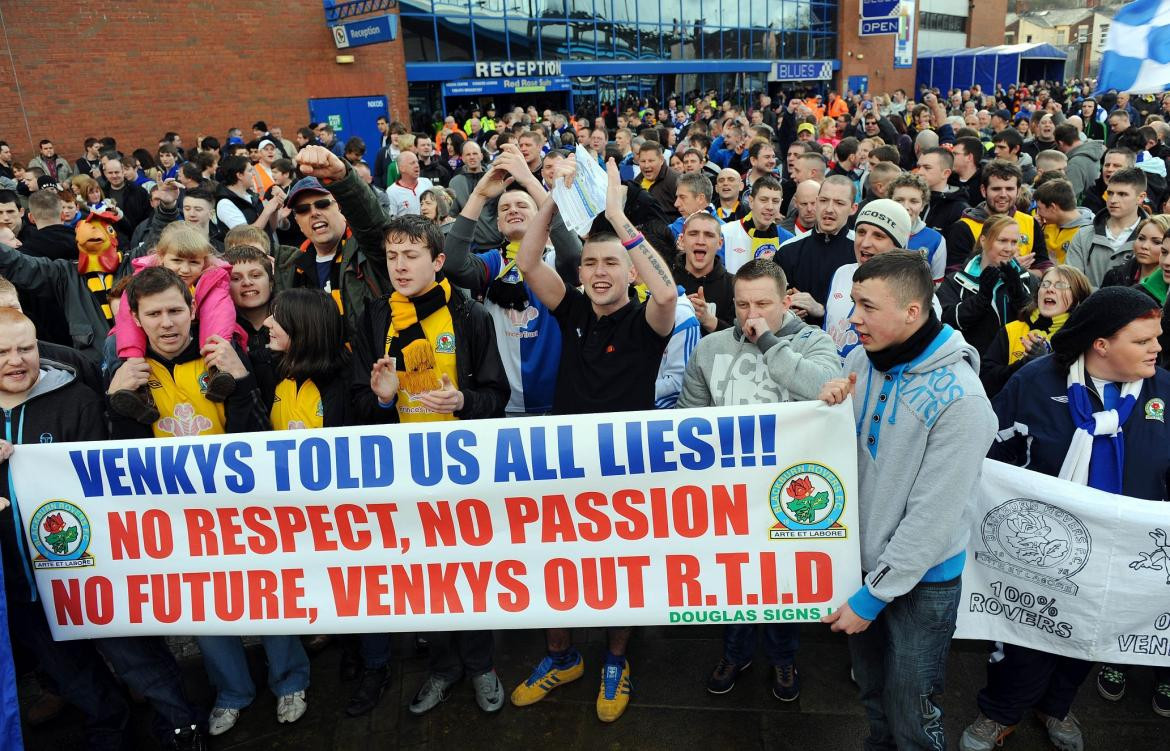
x: 670, y: 708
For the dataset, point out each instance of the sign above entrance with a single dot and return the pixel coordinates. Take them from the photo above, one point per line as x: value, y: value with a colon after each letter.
x: 801, y: 70
x: 365, y: 31
x: 510, y: 68
x: 483, y: 86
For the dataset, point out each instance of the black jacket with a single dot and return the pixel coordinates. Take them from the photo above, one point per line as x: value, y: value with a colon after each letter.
x: 1125, y: 275
x: 970, y: 191
x: 60, y: 408
x: 946, y: 208
x: 436, y: 171
x: 718, y: 287
x: 809, y: 262
x: 250, y: 207
x: 54, y: 241
x: 481, y: 372
x: 978, y: 307
x: 135, y: 206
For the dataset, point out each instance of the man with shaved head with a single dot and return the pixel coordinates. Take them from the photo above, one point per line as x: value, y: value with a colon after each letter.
x: 805, y: 200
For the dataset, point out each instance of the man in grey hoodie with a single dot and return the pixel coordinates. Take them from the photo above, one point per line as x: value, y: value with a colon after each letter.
x: 923, y: 398
x: 1084, y: 158
x: 769, y: 356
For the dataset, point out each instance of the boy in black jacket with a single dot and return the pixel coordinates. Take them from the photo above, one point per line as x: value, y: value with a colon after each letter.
x: 426, y: 354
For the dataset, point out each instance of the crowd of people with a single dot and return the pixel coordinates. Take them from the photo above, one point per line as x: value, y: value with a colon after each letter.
x: 984, y: 274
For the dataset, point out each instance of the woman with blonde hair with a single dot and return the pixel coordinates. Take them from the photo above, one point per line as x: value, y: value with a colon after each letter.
x: 827, y: 132
x: 992, y: 289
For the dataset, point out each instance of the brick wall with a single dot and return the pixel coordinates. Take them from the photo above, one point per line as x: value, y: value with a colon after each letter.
x: 135, y: 69
x: 868, y: 56
x: 986, y: 22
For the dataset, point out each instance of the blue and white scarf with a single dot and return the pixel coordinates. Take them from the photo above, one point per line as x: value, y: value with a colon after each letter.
x: 1096, y: 455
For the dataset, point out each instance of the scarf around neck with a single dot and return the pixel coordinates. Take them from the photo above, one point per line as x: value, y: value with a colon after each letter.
x: 891, y: 357
x: 406, y: 341
x: 1096, y: 454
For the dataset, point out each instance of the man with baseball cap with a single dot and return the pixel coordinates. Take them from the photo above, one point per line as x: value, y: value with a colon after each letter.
x: 806, y: 132
x: 881, y: 226
x: 1098, y: 402
x: 268, y: 152
x: 1000, y: 119
x: 344, y: 253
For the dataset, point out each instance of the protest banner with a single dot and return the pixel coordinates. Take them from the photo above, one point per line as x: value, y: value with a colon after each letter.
x: 743, y: 514
x: 1067, y: 569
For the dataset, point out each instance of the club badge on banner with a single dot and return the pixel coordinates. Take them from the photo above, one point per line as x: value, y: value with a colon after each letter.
x: 743, y: 514
x: 1067, y: 569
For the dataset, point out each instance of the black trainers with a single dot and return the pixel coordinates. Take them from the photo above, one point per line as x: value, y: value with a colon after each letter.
x: 137, y: 404
x: 785, y: 682
x: 723, y: 677
x: 1162, y: 699
x: 188, y: 739
x: 368, y: 692
x: 220, y: 385
x: 1110, y: 683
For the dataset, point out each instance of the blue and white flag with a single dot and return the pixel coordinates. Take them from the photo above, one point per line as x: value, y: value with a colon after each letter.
x: 1137, y: 50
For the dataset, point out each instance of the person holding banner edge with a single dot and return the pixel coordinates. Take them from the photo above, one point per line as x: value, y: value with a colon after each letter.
x: 610, y: 356
x: 423, y: 354
x: 922, y: 415
x: 33, y: 393
x: 1097, y: 402
x: 770, y: 356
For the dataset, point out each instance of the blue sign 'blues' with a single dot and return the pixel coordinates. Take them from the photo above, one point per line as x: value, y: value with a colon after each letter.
x: 807, y: 70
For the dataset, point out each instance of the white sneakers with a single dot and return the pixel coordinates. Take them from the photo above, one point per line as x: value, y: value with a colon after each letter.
x: 290, y: 707
x: 222, y: 720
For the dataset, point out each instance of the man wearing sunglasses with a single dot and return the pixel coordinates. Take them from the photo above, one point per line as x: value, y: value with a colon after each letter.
x: 344, y: 225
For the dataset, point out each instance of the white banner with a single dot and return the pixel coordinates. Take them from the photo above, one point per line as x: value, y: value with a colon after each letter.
x: 1067, y: 569
x: 684, y: 516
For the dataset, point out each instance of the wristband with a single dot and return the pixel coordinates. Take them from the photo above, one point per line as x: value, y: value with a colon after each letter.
x: 388, y: 405
x: 635, y: 242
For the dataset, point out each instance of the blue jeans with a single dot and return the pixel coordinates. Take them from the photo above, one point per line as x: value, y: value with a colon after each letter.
x: 227, y: 667
x: 780, y: 642
x: 900, y: 664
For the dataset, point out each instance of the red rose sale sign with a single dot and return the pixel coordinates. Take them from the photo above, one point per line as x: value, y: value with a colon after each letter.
x: 739, y: 514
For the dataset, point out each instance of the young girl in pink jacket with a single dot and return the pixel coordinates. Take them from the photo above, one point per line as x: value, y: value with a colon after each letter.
x: 186, y: 251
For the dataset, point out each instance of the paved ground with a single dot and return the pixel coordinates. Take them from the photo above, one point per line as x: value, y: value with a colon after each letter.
x: 670, y: 710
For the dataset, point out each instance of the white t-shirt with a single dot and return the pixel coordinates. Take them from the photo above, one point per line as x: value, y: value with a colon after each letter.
x: 229, y: 214
x: 404, y: 200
